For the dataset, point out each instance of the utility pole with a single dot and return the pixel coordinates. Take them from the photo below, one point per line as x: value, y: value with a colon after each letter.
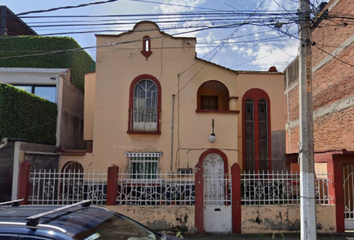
x: 307, y: 175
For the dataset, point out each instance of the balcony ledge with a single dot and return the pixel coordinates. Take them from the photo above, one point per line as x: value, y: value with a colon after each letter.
x: 218, y: 111
x: 144, y: 132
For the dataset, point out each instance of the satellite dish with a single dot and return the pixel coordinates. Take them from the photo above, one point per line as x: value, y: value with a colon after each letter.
x: 3, y: 142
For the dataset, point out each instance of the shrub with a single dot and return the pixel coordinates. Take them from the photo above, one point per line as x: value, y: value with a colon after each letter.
x: 26, y: 117
x: 80, y: 62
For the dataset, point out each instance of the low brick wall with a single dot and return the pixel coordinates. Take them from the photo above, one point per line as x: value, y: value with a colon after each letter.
x: 160, y: 218
x: 284, y: 218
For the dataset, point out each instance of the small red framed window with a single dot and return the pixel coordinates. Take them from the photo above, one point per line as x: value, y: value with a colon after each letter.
x: 146, y: 47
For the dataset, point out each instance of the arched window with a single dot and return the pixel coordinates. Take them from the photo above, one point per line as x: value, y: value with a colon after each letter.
x: 73, y: 166
x: 213, y: 96
x: 145, y: 105
x: 256, y: 130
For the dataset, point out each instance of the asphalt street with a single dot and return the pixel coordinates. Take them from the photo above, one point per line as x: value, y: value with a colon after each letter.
x: 278, y: 236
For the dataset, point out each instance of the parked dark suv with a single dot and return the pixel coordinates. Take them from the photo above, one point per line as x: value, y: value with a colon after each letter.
x: 77, y: 221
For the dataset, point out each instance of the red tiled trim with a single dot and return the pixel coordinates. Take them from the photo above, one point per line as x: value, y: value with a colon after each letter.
x: 256, y: 94
x: 131, y: 99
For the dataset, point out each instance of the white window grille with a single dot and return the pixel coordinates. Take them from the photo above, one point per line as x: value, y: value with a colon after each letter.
x: 143, y: 165
x: 145, y: 106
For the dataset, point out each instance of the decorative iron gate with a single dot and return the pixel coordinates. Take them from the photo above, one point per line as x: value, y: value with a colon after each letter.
x: 348, y: 184
x: 217, y: 192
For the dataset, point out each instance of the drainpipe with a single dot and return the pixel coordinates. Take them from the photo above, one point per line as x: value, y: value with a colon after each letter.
x: 172, y: 127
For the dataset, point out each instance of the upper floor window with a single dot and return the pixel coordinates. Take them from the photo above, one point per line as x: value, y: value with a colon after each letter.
x: 256, y: 129
x: 46, y: 92
x: 209, y: 103
x: 213, y: 96
x: 145, y: 105
x: 146, y: 47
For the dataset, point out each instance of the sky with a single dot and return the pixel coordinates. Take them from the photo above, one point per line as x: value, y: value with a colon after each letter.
x: 249, y: 47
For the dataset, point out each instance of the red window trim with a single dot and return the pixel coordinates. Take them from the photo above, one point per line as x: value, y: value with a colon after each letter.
x: 131, y: 104
x: 145, y: 52
x: 256, y: 94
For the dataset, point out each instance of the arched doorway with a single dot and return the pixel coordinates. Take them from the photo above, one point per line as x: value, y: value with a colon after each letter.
x: 72, y: 182
x: 213, y: 204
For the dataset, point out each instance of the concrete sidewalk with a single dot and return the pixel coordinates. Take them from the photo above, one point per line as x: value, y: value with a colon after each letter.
x: 277, y: 236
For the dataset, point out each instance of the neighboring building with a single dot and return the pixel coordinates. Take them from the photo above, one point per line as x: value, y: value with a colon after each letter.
x: 58, y: 78
x: 333, y: 105
x: 55, y: 86
x: 150, y: 104
x: 333, y: 89
x: 11, y: 25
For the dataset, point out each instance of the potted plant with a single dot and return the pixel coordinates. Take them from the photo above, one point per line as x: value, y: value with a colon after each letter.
x: 162, y: 200
x: 173, y: 201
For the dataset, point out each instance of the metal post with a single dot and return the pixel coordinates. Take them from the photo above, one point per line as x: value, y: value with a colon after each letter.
x: 172, y: 129
x: 307, y: 176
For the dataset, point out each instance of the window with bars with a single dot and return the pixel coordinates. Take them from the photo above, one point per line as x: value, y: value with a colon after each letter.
x: 145, y: 106
x: 143, y: 165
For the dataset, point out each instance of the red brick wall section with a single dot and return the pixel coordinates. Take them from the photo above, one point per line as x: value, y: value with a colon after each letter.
x: 332, y: 33
x: 294, y: 104
x: 331, y: 83
x: 333, y: 131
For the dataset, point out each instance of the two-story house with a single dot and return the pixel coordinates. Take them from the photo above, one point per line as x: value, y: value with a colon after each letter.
x: 152, y: 105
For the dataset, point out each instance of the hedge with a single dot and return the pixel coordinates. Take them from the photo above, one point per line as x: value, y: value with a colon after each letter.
x: 26, y: 117
x: 80, y: 62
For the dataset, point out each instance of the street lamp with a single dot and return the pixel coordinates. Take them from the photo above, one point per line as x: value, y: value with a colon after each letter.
x: 212, y: 137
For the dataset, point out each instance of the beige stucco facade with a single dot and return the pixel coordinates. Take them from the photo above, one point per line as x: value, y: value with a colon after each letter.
x: 180, y: 73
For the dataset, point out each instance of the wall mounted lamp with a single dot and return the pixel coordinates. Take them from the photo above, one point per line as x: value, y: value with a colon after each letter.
x: 212, y: 137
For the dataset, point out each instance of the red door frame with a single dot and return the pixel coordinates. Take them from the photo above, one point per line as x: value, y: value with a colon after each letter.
x: 335, y: 167
x: 199, y: 187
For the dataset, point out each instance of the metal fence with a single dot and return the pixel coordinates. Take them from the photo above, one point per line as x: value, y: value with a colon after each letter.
x: 268, y: 188
x: 52, y: 187
x: 217, y: 189
x: 159, y: 189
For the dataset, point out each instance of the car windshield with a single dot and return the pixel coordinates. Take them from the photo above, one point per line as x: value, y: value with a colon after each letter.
x: 118, y: 227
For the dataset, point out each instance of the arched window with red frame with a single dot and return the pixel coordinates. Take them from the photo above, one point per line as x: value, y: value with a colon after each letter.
x: 256, y: 131
x: 145, y: 105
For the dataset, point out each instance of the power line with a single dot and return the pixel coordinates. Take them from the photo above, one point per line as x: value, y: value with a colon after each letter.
x: 65, y: 7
